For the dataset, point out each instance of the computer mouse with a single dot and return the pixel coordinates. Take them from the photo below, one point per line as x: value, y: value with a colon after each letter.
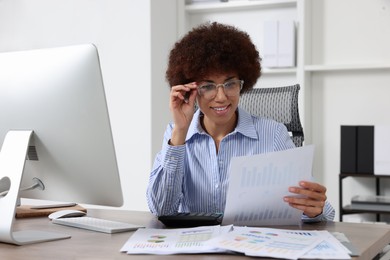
x: 67, y: 213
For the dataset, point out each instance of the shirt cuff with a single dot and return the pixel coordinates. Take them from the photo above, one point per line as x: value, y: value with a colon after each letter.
x: 318, y: 218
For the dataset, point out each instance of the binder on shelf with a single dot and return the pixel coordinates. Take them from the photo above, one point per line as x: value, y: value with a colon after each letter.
x: 270, y: 50
x: 357, y: 149
x: 279, y: 44
x: 286, y: 43
x: 365, y: 149
x: 348, y: 149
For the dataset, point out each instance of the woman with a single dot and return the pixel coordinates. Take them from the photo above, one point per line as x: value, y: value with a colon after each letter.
x: 212, y: 65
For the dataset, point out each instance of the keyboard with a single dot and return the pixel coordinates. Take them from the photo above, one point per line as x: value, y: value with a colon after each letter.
x: 96, y: 224
x: 191, y: 219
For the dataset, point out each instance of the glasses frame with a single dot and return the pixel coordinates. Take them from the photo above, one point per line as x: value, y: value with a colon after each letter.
x: 223, y: 85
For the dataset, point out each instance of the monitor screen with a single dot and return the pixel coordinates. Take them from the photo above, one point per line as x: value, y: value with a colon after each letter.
x: 58, y: 93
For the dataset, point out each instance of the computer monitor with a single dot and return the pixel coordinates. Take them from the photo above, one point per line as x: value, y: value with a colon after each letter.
x: 53, y: 112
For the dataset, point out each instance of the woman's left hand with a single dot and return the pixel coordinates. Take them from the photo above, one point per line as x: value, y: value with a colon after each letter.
x: 311, y: 200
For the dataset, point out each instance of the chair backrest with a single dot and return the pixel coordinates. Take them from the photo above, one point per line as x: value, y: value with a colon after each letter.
x: 279, y: 104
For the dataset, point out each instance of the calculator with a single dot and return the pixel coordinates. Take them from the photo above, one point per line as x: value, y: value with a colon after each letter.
x: 182, y: 220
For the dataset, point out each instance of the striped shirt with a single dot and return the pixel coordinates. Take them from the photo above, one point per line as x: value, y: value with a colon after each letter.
x: 194, y: 177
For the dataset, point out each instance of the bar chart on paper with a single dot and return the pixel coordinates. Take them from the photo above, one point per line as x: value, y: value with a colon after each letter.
x: 194, y: 237
x: 258, y: 184
x: 174, y: 241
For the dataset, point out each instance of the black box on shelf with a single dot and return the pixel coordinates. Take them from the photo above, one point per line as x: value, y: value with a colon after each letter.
x: 348, y: 149
x: 365, y: 149
x: 357, y: 149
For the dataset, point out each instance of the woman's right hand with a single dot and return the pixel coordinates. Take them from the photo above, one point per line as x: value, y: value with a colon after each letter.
x: 182, y: 109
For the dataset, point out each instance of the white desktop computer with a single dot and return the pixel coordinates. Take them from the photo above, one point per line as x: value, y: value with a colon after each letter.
x: 55, y: 132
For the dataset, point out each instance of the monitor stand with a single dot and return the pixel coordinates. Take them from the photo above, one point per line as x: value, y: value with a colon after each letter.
x: 12, y: 160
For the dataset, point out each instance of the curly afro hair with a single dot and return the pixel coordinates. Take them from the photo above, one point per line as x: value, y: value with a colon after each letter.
x: 214, y: 48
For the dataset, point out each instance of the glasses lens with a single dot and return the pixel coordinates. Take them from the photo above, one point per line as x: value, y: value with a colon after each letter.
x: 231, y: 88
x: 207, y: 90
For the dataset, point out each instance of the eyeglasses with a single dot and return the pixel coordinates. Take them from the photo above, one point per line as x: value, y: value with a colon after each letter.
x: 231, y: 88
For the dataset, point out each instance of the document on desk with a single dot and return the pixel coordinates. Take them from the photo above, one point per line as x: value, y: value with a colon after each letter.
x: 174, y: 241
x: 329, y: 248
x: 251, y: 241
x: 258, y: 183
x: 281, y: 243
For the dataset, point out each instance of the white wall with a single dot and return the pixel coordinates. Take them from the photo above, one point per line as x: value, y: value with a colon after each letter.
x: 164, y: 35
x: 121, y: 31
x: 348, y: 32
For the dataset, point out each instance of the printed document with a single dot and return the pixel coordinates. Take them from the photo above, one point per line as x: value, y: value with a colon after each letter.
x: 281, y: 243
x: 267, y: 242
x: 258, y: 183
x: 174, y: 241
x: 251, y: 241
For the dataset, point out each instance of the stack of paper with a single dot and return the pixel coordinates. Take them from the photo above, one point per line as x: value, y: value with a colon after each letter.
x: 251, y: 241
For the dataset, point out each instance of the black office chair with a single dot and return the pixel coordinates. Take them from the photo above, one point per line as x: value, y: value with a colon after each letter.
x: 280, y: 104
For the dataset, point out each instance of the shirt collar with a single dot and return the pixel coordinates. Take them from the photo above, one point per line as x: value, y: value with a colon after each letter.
x: 244, y: 126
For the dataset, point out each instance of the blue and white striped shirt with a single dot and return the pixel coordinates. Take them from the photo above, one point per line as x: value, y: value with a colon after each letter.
x: 194, y: 178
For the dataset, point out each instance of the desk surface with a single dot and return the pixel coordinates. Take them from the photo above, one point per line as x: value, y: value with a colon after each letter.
x: 370, y: 239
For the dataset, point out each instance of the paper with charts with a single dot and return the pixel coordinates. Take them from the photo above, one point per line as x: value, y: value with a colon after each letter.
x: 281, y: 243
x: 258, y: 183
x: 251, y: 241
x: 174, y: 241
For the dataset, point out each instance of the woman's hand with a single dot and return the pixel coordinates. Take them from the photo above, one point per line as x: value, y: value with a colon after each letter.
x: 181, y: 104
x: 311, y: 200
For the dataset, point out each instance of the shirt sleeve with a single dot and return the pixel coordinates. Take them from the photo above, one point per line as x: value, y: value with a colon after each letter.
x: 282, y: 140
x: 164, y: 190
x: 327, y: 215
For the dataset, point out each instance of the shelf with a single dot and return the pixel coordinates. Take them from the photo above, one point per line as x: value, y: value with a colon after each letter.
x: 237, y: 5
x: 363, y: 175
x: 267, y: 71
x: 349, y: 210
x: 346, y: 67
x: 364, y: 207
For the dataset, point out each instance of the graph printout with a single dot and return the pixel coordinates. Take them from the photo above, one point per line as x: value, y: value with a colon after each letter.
x: 173, y: 241
x: 329, y: 248
x: 282, y: 243
x: 258, y: 183
x: 267, y: 242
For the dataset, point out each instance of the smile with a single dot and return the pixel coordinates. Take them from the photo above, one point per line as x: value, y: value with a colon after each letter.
x: 220, y: 108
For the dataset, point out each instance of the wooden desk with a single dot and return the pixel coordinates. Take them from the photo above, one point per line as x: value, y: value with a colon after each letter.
x: 370, y: 239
